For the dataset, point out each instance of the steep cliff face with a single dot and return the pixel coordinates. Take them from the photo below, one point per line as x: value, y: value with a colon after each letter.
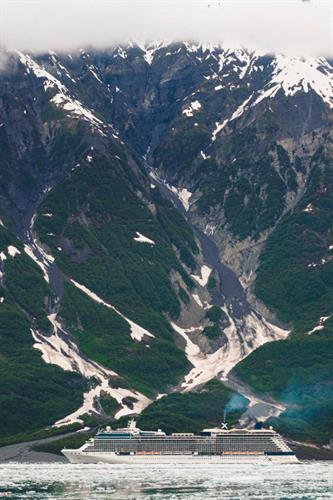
x: 177, y: 202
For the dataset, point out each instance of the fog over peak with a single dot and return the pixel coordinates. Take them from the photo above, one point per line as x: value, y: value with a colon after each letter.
x: 290, y: 26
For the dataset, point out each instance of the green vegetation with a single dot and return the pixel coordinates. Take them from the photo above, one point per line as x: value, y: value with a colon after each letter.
x: 67, y: 442
x: 298, y: 372
x: 108, y: 404
x: 108, y: 342
x: 21, y: 276
x: 96, y: 212
x: 40, y: 434
x: 96, y: 215
x: 211, y: 285
x: 187, y: 412
x: 181, y: 145
x: 33, y: 394
x: 295, y: 278
x: 192, y: 411
x: 214, y: 314
x: 251, y: 190
x: 310, y: 423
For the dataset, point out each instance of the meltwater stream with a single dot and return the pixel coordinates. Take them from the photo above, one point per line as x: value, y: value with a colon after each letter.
x: 307, y: 481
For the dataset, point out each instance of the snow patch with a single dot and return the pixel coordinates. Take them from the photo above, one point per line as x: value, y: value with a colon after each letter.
x: 149, y: 50
x: 93, y: 72
x: 159, y: 396
x: 217, y: 129
x: 140, y: 238
x: 183, y: 194
x: 218, y: 364
x: 60, y: 350
x: 240, y: 110
x: 13, y: 251
x: 204, y: 156
x: 296, y: 74
x: 320, y: 325
x: 203, y: 278
x: 193, y: 107
x: 137, y: 332
x: 309, y: 208
x: 62, y: 98
x: 197, y: 299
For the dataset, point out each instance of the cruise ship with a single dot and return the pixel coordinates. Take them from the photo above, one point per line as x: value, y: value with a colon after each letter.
x: 131, y: 445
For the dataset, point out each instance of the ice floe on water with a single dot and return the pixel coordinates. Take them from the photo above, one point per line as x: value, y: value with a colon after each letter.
x: 55, y: 481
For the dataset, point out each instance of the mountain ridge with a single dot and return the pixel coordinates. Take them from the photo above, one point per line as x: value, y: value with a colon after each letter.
x: 92, y: 133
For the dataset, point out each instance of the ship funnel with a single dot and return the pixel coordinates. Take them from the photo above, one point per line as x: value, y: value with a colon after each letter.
x: 131, y: 424
x: 224, y: 424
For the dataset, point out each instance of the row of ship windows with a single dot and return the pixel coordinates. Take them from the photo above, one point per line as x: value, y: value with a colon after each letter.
x: 189, y: 447
x: 187, y: 438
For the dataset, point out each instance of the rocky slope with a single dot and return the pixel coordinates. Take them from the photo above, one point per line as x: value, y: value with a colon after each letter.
x: 157, y: 194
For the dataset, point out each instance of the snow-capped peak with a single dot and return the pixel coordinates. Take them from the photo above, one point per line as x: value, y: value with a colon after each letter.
x: 61, y: 97
x: 295, y: 74
x: 239, y: 59
x: 149, y: 49
x: 287, y: 74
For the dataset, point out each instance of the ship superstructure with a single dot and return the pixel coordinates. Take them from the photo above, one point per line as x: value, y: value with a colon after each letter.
x: 131, y: 445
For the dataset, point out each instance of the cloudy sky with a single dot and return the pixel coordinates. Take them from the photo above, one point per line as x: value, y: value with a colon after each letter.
x: 292, y: 26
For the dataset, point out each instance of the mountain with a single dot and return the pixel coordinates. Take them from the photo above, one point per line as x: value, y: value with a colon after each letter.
x: 165, y: 222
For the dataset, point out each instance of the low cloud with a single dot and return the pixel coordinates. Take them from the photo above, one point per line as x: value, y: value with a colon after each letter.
x: 290, y: 26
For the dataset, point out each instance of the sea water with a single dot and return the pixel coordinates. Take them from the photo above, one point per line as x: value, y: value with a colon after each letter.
x: 306, y: 481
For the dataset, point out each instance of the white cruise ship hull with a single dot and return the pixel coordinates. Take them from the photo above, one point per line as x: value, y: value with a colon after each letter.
x: 79, y: 457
